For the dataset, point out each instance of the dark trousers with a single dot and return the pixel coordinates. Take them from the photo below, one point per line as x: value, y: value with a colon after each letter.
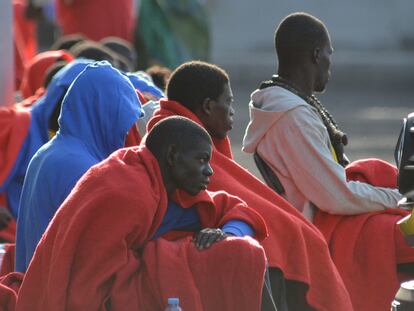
x: 283, y: 295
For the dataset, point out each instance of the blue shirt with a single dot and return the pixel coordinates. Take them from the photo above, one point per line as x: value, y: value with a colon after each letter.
x: 187, y: 219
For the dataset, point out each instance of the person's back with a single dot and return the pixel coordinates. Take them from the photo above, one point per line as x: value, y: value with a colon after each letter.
x: 93, y: 123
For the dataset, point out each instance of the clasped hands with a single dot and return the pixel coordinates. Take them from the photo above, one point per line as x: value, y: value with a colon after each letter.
x: 208, y: 236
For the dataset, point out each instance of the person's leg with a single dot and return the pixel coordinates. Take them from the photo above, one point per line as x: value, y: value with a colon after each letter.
x: 288, y: 295
x: 267, y: 298
x: 278, y: 286
x: 296, y: 296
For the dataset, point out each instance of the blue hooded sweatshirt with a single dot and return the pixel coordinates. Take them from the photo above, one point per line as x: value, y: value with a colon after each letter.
x: 38, y: 133
x: 99, y: 108
x: 143, y: 85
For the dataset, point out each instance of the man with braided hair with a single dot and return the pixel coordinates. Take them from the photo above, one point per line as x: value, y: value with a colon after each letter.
x: 301, y: 144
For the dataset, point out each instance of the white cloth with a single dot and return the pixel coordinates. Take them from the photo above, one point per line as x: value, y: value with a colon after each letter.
x: 290, y: 136
x: 149, y: 109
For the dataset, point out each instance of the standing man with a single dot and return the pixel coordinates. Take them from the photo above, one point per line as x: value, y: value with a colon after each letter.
x: 302, y: 144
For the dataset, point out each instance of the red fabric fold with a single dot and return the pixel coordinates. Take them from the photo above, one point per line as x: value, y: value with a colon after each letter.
x: 163, y: 262
x: 294, y: 245
x: 133, y: 137
x: 364, y: 246
x: 36, y: 68
x: 25, y: 41
x: 110, y: 18
x: 9, y: 289
x: 103, y: 259
x: 14, y: 127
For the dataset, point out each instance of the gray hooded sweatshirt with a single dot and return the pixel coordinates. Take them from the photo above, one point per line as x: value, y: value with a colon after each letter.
x: 290, y: 136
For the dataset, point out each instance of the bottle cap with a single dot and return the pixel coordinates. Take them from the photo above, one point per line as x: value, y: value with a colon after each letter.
x: 406, y: 292
x: 173, y: 301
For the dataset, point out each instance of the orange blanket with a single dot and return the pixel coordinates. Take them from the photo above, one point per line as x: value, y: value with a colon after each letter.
x: 364, y: 246
x: 103, y: 258
x: 294, y: 245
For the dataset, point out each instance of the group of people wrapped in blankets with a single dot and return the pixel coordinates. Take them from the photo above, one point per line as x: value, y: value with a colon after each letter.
x: 110, y: 218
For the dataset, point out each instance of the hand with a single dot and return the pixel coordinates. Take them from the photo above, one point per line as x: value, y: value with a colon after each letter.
x: 5, y: 217
x: 206, y: 237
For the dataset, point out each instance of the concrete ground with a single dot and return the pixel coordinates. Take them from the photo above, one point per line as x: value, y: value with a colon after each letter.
x: 367, y: 97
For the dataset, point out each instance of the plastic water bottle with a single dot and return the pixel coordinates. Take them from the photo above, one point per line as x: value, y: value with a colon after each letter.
x: 173, y: 305
x: 404, y: 299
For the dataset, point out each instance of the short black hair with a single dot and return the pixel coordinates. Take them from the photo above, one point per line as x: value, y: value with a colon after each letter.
x: 94, y: 51
x: 297, y: 34
x: 159, y: 75
x: 192, y: 82
x: 67, y: 42
x: 52, y: 70
x: 124, y: 49
x: 175, y: 130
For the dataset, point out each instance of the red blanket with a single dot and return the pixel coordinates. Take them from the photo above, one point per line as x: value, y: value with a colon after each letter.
x: 102, y: 257
x: 14, y: 126
x: 36, y: 69
x: 294, y: 245
x: 9, y: 289
x: 364, y: 247
x: 96, y: 19
x: 25, y: 41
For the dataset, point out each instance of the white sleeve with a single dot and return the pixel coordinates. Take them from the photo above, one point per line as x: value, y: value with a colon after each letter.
x: 303, y: 144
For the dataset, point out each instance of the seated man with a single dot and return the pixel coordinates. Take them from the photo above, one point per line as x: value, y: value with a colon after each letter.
x: 93, y: 123
x: 202, y: 92
x: 302, y: 144
x: 24, y: 130
x: 124, y: 238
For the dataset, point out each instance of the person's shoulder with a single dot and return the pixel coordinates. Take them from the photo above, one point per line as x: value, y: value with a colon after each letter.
x: 222, y: 196
x: 276, y: 98
x: 112, y: 183
x: 303, y: 115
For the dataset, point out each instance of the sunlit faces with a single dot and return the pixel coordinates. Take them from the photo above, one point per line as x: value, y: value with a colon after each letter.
x: 191, y: 168
x: 324, y: 66
x: 220, y: 119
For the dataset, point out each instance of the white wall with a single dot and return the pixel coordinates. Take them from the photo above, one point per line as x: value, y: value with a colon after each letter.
x: 6, y: 52
x: 247, y: 26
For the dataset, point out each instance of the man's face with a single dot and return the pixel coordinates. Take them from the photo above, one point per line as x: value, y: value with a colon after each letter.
x: 191, y: 169
x: 220, y: 120
x: 324, y: 66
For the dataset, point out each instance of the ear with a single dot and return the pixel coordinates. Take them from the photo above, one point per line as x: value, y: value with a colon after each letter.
x: 207, y: 105
x: 316, y: 56
x: 172, y: 154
